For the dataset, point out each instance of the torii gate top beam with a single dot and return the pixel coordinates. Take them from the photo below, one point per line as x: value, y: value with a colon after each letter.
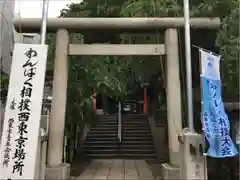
x: 32, y: 25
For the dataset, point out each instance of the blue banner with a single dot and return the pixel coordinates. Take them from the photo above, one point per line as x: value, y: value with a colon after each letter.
x: 215, y: 120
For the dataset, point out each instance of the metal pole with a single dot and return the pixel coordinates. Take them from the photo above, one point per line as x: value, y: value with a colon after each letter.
x: 188, y: 66
x: 42, y: 148
x: 119, y: 122
x: 44, y: 21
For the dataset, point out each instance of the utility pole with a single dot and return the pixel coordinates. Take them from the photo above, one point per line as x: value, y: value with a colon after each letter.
x: 44, y: 21
x: 188, y: 66
x: 193, y: 166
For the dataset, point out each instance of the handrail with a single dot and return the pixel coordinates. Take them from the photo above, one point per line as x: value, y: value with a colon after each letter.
x: 119, y: 122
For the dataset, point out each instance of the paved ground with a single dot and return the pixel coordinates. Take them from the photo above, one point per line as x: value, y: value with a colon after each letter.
x: 118, y: 169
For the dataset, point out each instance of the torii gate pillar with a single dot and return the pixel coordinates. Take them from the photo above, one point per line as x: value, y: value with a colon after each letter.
x: 174, y: 109
x: 55, y: 168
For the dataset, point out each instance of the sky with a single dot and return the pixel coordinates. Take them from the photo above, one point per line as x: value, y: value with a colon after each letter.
x: 33, y: 8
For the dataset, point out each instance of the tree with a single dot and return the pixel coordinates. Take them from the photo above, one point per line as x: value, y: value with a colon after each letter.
x: 228, y: 40
x: 101, y: 70
x: 107, y: 74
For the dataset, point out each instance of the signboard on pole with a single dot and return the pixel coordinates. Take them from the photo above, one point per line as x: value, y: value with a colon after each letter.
x: 23, y: 112
x: 215, y: 120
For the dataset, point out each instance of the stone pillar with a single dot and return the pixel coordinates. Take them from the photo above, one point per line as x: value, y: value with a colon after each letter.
x: 174, y: 110
x: 193, y: 164
x: 55, y: 168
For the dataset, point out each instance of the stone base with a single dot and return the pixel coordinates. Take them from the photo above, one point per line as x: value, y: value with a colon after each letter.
x: 170, y: 172
x: 60, y: 172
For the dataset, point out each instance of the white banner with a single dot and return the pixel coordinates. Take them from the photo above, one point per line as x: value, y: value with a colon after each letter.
x: 210, y: 65
x: 23, y: 111
x: 215, y: 120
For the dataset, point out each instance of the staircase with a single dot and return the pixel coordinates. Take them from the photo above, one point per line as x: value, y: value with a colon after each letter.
x: 102, y: 141
x: 137, y: 142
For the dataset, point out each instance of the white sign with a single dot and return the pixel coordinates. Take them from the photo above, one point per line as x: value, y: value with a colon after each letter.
x: 23, y: 110
x: 210, y: 65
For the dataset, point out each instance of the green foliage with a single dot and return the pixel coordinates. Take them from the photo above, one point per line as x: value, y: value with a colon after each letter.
x: 115, y: 76
x: 4, y: 87
x: 112, y: 76
x: 139, y: 8
x: 228, y: 40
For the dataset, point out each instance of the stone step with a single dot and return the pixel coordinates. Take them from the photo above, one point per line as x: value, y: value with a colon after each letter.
x: 127, y: 128
x: 136, y: 138
x: 122, y: 156
x: 107, y: 122
x: 116, y: 142
x: 102, y: 135
x: 104, y: 128
x: 119, y: 146
x: 120, y: 151
x: 125, y: 132
x: 107, y: 125
x: 135, y: 126
x: 104, y: 131
x: 135, y: 122
x: 96, y: 138
x: 115, y: 135
x: 124, y: 138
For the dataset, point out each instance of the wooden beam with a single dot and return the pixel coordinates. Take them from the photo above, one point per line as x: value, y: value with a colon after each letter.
x: 31, y: 25
x: 116, y: 49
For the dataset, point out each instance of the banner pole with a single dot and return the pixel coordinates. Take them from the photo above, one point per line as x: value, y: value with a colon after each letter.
x: 201, y: 110
x: 188, y: 66
x: 44, y: 21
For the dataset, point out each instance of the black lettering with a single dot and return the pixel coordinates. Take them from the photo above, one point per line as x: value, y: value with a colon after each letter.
x: 18, y: 167
x: 9, y: 132
x: 7, y: 150
x: 19, y: 154
x: 205, y: 114
x: 24, y: 105
x: 226, y: 151
x: 26, y: 92
x: 22, y: 128
x: 226, y: 141
x: 224, y: 131
x: 23, y: 116
x: 222, y: 121
x: 30, y: 54
x: 27, y: 82
x: 10, y: 122
x: 5, y: 162
x: 214, y: 94
x: 21, y: 141
x: 213, y: 86
x: 29, y: 72
x: 215, y: 103
x: 13, y: 104
x: 8, y: 142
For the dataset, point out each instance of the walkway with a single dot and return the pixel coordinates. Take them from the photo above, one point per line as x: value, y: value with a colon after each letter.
x: 117, y: 169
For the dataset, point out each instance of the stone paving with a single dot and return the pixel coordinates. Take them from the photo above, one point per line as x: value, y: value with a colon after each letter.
x: 117, y: 169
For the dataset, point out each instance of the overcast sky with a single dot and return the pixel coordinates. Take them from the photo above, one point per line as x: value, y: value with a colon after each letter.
x: 33, y: 8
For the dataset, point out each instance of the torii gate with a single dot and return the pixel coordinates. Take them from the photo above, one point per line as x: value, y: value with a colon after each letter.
x: 63, y: 26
